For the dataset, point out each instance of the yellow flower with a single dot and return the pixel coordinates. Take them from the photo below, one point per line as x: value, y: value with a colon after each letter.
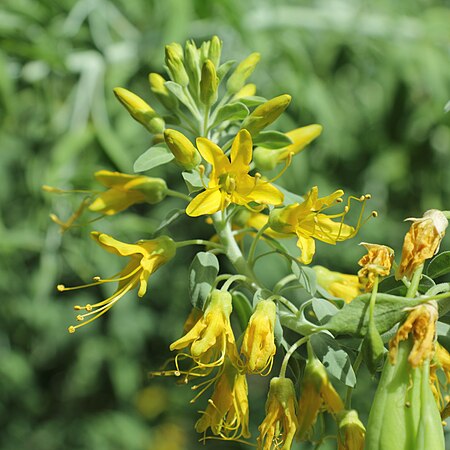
x: 421, y: 242
x: 351, y: 431
x: 258, y: 346
x: 211, y: 338
x: 316, y: 392
x: 377, y: 262
x: 338, y: 284
x: 229, y: 182
x: 126, y: 190
x: 227, y: 411
x: 267, y: 159
x: 145, y: 258
x: 278, y: 429
x: 308, y: 222
x: 421, y: 323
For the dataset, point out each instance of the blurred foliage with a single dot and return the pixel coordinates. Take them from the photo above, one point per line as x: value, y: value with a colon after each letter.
x: 375, y: 74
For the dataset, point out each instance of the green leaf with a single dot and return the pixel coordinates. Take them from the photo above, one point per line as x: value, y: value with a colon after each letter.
x: 289, y: 197
x: 323, y: 309
x: 352, y: 318
x: 306, y: 277
x: 439, y: 265
x: 193, y: 181
x: 155, y: 156
x: 260, y: 294
x: 178, y: 91
x: 224, y: 69
x: 334, y: 358
x: 242, y: 307
x: 232, y: 111
x: 391, y: 286
x: 202, y: 274
x: 171, y: 217
x: 252, y: 100
x: 272, y: 139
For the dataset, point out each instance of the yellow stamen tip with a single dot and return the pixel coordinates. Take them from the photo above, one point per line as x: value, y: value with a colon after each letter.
x: 374, y: 214
x: 88, y: 307
x: 339, y: 200
x: 71, y: 329
x: 96, y: 278
x: 80, y: 318
x: 60, y: 287
x: 77, y: 307
x: 368, y: 196
x: 177, y: 373
x: 346, y: 209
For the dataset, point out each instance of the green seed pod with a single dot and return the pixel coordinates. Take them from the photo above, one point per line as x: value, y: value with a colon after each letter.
x: 158, y: 87
x: 244, y: 69
x: 174, y: 62
x: 209, y: 84
x: 265, y: 114
x: 373, y: 348
x: 140, y: 110
x: 404, y: 414
x: 181, y: 147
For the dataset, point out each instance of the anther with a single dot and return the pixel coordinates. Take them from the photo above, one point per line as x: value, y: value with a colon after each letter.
x: 339, y: 200
x: 346, y: 209
x: 88, y: 307
x: 374, y: 214
x: 96, y: 278
x: 71, y: 329
x: 80, y: 318
x: 368, y: 196
x: 77, y: 307
x: 60, y: 287
x: 177, y: 373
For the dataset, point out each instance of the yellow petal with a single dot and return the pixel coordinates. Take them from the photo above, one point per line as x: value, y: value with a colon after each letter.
x: 214, y: 155
x: 114, y: 201
x: 308, y: 248
x: 114, y: 246
x: 208, y: 202
x: 241, y: 151
x: 109, y: 179
x: 266, y: 194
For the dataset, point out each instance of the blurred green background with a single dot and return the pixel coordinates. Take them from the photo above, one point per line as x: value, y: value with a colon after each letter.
x: 375, y: 74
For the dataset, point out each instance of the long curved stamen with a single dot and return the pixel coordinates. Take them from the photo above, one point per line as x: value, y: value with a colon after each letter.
x: 201, y: 171
x: 288, y: 162
x: 98, y: 281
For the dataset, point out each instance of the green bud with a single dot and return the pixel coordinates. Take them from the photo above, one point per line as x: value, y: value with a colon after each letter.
x: 192, y: 62
x: 204, y: 51
x: 215, y: 50
x: 209, y: 84
x: 244, y: 69
x: 174, y: 62
x: 161, y: 92
x: 140, y: 110
x: 404, y: 413
x: 181, y: 147
x: 154, y: 189
x: 265, y: 114
x: 266, y: 159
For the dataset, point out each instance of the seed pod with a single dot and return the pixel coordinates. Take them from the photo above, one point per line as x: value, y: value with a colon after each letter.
x: 404, y: 413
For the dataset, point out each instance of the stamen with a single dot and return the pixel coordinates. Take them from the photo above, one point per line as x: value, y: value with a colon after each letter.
x: 288, y: 162
x: 201, y: 171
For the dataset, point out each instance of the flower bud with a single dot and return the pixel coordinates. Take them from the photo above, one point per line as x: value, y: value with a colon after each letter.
x: 174, y: 62
x: 215, y: 50
x: 244, y: 69
x: 140, y: 110
x: 161, y: 92
x: 263, y: 115
x: 246, y: 91
x: 267, y: 159
x: 192, y: 63
x: 258, y: 346
x: 404, y: 413
x: 351, y: 431
x: 209, y: 84
x: 185, y: 153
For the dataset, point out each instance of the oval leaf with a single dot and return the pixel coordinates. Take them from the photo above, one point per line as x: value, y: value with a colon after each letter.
x: 272, y: 139
x: 439, y: 265
x: 232, y: 111
x: 155, y: 156
x: 202, y: 274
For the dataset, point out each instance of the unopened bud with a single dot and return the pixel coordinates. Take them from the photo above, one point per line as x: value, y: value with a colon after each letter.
x: 140, y: 110
x: 192, y: 63
x: 161, y: 92
x: 244, y: 69
x: 351, y: 431
x: 174, y: 62
x: 182, y: 148
x: 215, y: 50
x: 265, y: 114
x: 209, y: 84
x: 246, y: 91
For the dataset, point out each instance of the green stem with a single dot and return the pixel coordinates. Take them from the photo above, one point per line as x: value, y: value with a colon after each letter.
x: 373, y: 298
x: 414, y: 286
x: 283, y: 282
x: 356, y: 365
x: 234, y: 278
x: 205, y: 122
x: 285, y: 302
x: 199, y: 242
x: 178, y: 195
x: 289, y: 353
x: 251, y: 252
